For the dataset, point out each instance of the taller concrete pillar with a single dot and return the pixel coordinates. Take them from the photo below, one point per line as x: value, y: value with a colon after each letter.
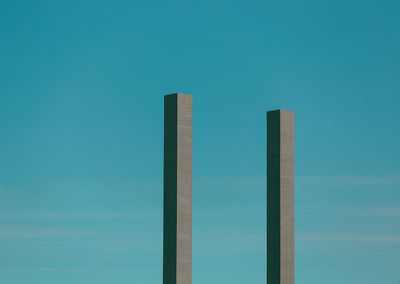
x: 280, y: 197
x: 177, y: 266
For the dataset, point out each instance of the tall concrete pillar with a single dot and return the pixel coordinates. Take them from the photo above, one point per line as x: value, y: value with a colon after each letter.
x: 280, y: 197
x: 177, y: 266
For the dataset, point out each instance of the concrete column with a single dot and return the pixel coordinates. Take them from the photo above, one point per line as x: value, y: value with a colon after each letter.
x: 280, y: 197
x: 177, y: 266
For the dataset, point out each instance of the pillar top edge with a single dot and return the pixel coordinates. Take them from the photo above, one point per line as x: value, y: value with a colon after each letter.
x: 177, y: 94
x: 280, y: 110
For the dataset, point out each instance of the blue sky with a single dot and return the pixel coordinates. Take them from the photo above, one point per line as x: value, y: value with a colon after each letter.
x: 81, y: 127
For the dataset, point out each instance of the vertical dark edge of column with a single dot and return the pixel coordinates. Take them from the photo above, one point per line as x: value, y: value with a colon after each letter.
x: 273, y: 197
x: 170, y: 188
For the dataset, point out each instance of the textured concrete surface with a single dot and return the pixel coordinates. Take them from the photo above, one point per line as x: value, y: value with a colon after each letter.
x: 280, y: 197
x: 177, y: 265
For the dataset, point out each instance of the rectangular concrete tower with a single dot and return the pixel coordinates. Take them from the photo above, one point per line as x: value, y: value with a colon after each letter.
x: 280, y: 197
x: 177, y: 265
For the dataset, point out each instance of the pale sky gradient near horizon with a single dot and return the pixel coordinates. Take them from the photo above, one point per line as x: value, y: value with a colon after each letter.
x: 81, y: 136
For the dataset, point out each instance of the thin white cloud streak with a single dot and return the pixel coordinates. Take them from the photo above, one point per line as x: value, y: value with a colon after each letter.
x: 49, y: 269
x: 369, y: 212
x: 230, y: 241
x: 348, y: 180
x: 384, y: 212
x: 38, y: 232
x: 42, y: 269
x: 389, y: 213
x: 352, y: 237
x: 256, y: 181
x: 218, y: 212
x: 252, y: 184
x: 114, y: 238
x: 93, y: 240
x: 57, y: 216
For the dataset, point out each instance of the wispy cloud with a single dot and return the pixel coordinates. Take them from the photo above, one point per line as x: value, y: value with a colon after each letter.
x: 373, y: 213
x: 260, y: 181
x: 106, y: 237
x: 252, y: 184
x: 49, y: 269
x: 44, y: 232
x: 230, y: 241
x: 349, y: 180
x: 61, y: 216
x: 386, y: 212
x: 353, y: 237
x: 90, y: 239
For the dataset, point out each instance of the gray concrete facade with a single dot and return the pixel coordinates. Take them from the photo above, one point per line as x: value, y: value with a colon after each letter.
x: 280, y: 197
x: 177, y: 262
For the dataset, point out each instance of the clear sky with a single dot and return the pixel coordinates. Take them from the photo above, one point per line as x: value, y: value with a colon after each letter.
x: 81, y: 136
